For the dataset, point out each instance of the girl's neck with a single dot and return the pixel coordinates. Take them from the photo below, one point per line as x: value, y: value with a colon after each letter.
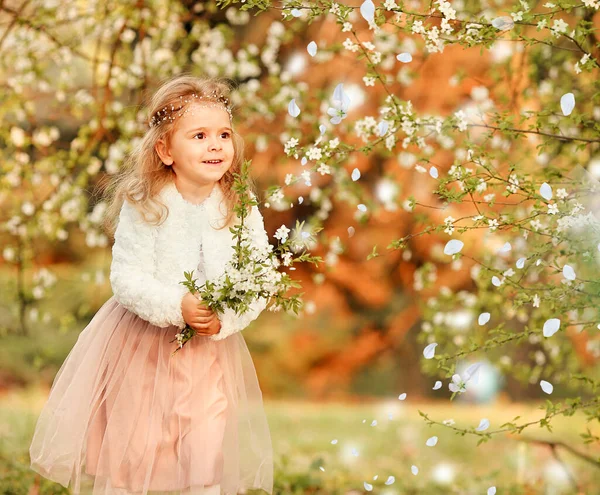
x: 194, y: 193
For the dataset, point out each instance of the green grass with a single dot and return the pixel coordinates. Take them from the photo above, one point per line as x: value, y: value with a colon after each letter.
x: 302, y: 434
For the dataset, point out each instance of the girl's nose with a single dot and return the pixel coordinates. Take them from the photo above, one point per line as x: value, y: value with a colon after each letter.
x: 214, y: 145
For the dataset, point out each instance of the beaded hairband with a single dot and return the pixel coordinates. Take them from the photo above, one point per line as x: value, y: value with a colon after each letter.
x: 167, y: 113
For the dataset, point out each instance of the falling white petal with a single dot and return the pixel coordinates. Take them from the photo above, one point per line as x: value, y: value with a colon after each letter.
x: 546, y: 191
x: 521, y: 263
x: 568, y: 272
x: 546, y: 386
x: 491, y: 490
x: 312, y: 48
x: 433, y: 172
x: 484, y: 424
x: 414, y: 470
x: 351, y: 231
x: 429, y: 351
x: 322, y: 468
x: 402, y: 396
x: 300, y: 200
x: 404, y: 57
x: 504, y: 22
x: 355, y: 174
x: 472, y: 371
x: 483, y: 318
x: 303, y: 161
x: 431, y: 442
x: 551, y: 327
x: 322, y: 129
x: 453, y: 246
x: 567, y: 103
x: 374, y: 423
x: 362, y: 207
x: 293, y: 109
x: 368, y: 487
x: 390, y: 480
x: 383, y: 128
x: 367, y: 10
x: 506, y: 248
x: 334, y: 441
x: 438, y: 385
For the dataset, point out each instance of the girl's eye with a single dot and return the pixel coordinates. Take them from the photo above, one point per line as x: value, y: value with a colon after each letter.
x: 226, y: 133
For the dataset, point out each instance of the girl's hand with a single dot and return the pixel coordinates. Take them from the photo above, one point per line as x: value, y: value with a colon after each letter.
x: 199, y: 316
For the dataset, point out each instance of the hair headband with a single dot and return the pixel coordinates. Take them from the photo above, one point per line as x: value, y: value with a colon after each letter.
x: 169, y: 112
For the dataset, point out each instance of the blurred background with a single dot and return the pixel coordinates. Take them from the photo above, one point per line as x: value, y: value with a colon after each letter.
x: 73, y: 79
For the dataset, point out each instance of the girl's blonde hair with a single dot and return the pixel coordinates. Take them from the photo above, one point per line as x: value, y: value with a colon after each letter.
x: 144, y: 174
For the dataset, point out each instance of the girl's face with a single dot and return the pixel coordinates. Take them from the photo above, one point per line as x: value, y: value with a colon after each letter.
x: 200, y: 135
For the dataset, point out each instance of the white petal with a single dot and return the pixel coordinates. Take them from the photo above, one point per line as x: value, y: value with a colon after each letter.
x: 402, y: 396
x: 521, y: 263
x: 374, y: 423
x: 453, y: 246
x: 491, y: 490
x: 504, y: 22
x: 322, y: 129
x: 484, y: 424
x: 414, y: 470
x: 383, y: 128
x: 506, y: 248
x: 568, y: 272
x: 322, y: 468
x: 453, y: 387
x: 483, y: 318
x: 433, y: 172
x: 362, y: 207
x: 368, y: 487
x: 429, y: 351
x: 437, y: 385
x: 546, y: 386
x: 404, y: 57
x: 551, y: 327
x: 567, y: 103
x: 496, y: 281
x: 472, y: 371
x: 390, y: 480
x: 546, y: 191
x: 431, y: 442
x: 351, y: 231
x: 334, y: 441
x: 355, y: 174
x: 312, y: 48
x: 293, y: 109
x: 300, y: 200
x: 303, y: 161
x: 296, y: 13
x: 367, y: 10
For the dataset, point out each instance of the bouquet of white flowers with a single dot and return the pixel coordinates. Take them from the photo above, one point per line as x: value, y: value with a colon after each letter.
x: 252, y: 273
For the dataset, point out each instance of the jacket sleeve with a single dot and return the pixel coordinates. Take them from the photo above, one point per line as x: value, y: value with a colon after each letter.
x: 231, y: 322
x: 131, y: 273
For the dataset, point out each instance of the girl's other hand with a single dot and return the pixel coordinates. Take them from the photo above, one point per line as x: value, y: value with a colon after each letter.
x: 199, y: 316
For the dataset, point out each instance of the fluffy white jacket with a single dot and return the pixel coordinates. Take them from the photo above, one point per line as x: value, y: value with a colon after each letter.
x: 149, y: 261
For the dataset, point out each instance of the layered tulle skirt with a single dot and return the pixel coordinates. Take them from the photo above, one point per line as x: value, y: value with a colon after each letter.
x: 125, y: 416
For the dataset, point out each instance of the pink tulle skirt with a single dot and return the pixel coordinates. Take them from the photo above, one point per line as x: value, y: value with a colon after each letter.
x: 124, y: 416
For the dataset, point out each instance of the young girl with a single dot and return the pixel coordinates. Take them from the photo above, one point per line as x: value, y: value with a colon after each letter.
x: 126, y: 415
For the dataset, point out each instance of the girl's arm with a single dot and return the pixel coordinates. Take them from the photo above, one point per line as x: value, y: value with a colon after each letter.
x: 231, y: 322
x: 131, y: 277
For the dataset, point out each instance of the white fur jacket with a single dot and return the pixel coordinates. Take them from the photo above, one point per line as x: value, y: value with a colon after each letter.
x: 149, y: 261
